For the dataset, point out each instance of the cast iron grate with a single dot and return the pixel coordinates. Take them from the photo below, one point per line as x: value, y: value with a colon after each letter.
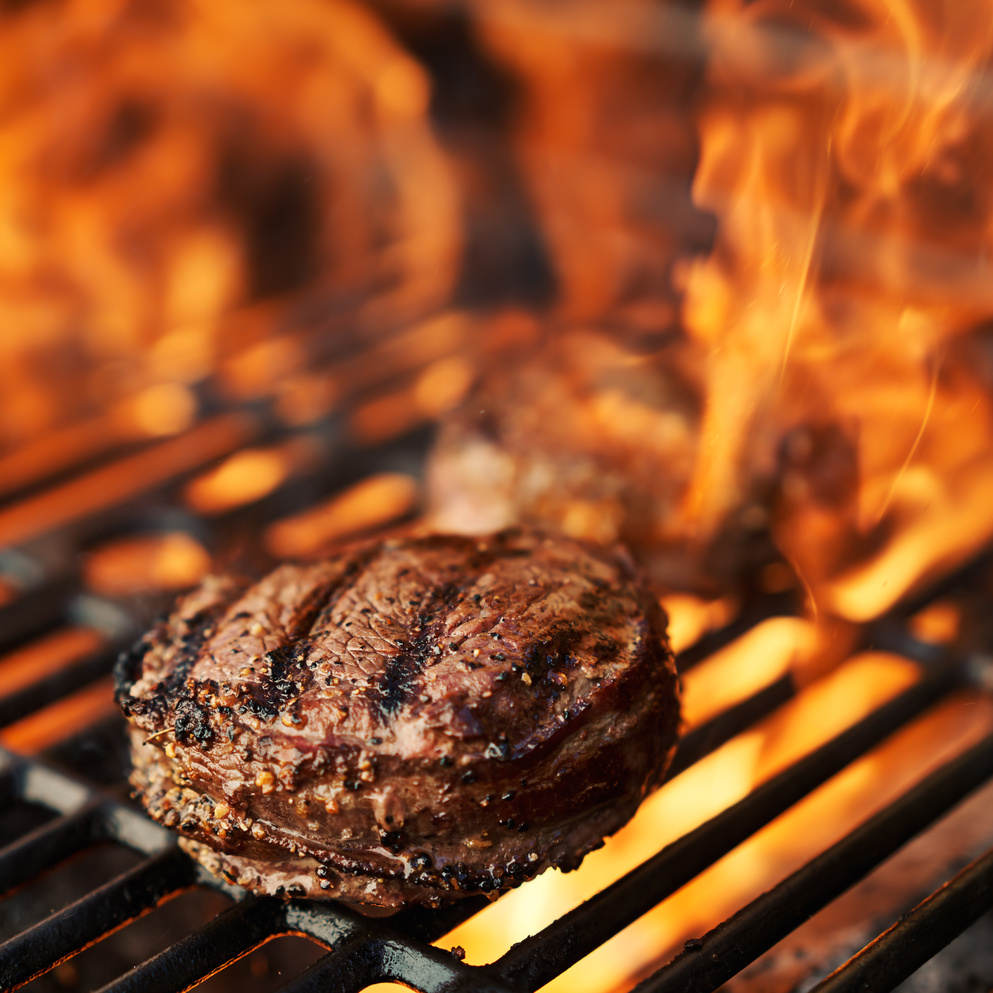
x: 86, y: 811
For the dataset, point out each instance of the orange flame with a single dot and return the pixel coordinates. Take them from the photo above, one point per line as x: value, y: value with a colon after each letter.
x: 841, y: 313
x: 840, y: 305
x: 161, y: 166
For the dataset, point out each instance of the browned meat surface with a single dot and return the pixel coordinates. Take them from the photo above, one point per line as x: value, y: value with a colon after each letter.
x: 584, y: 437
x: 409, y: 722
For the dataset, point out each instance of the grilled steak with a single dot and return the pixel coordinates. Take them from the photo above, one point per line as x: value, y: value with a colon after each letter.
x: 412, y: 721
x: 585, y: 438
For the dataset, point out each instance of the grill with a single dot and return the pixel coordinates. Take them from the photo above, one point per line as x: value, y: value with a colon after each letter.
x: 70, y: 798
x: 229, y: 467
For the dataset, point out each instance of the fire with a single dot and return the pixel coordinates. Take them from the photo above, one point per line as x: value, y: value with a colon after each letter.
x: 47, y: 656
x: 840, y: 314
x: 163, y: 168
x: 146, y: 563
x: 375, y: 502
x: 691, y: 617
x: 841, y: 306
x: 183, y: 188
x: 758, y: 658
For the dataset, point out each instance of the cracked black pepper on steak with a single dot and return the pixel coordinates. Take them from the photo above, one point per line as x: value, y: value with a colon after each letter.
x: 412, y: 721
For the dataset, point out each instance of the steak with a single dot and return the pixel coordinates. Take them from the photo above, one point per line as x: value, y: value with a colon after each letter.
x: 411, y: 721
x: 584, y: 438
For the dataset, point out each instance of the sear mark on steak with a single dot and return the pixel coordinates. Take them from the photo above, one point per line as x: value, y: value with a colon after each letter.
x: 399, y: 680
x: 408, y: 722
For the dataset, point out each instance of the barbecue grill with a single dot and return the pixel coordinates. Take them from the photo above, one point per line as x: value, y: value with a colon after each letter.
x: 230, y: 468
x: 69, y: 800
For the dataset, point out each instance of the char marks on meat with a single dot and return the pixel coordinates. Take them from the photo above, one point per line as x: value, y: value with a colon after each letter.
x: 410, y: 721
x: 585, y: 438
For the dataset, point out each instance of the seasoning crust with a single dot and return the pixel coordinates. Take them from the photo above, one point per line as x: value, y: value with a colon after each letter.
x: 411, y: 721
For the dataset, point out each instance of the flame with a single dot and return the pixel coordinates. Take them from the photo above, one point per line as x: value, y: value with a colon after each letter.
x: 164, y: 170
x: 127, y: 478
x: 839, y: 327
x: 841, y: 307
x: 938, y: 623
x: 769, y: 650
x: 608, y: 166
x: 61, y: 719
x: 45, y: 656
x: 691, y: 617
x: 248, y: 475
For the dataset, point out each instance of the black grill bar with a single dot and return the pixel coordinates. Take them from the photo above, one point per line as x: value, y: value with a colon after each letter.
x: 36, y: 783
x: 229, y: 936
x: 47, y: 846
x: 379, y: 956
x: 35, y: 611
x: 424, y: 924
x: 57, y: 685
x: 756, y: 928
x: 535, y: 961
x: 96, y: 915
x: 132, y: 829
x: 363, y: 950
x: 909, y: 943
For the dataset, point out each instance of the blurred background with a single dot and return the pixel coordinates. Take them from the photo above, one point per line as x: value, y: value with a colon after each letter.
x: 717, y: 273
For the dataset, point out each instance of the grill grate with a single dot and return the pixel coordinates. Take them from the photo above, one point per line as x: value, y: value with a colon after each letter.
x: 89, y: 811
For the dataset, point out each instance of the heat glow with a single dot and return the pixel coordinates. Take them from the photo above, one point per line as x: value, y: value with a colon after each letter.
x: 844, y: 310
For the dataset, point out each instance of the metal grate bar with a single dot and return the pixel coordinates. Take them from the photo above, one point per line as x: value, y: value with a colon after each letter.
x: 59, y: 684
x: 35, y: 611
x: 909, y: 943
x: 135, y: 830
x: 229, y: 936
x: 536, y: 960
x: 47, y: 846
x: 11, y: 770
x: 37, y: 783
x: 425, y: 924
x: 248, y: 924
x: 380, y: 957
x: 330, y: 923
x: 756, y: 928
x: 78, y: 506
x: 86, y: 921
